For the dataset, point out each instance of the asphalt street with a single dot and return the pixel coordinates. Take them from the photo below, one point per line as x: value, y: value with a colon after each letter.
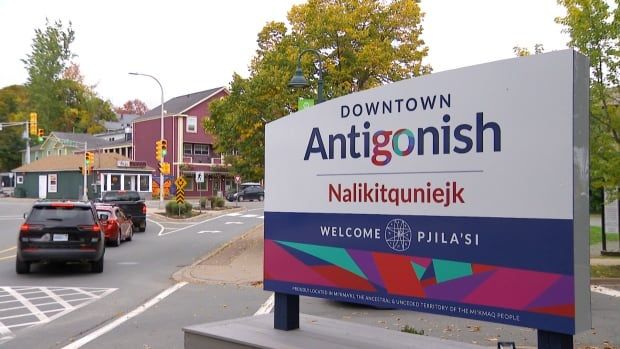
x: 134, y: 273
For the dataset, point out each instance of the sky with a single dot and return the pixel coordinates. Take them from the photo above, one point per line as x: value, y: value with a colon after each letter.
x: 190, y: 46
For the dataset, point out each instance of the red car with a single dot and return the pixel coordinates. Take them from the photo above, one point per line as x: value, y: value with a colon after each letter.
x: 116, y: 225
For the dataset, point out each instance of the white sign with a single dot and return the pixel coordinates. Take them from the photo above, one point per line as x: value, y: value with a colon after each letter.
x: 200, y: 177
x: 52, y: 183
x: 612, y: 221
x: 122, y: 163
x: 237, y: 179
x: 414, y: 189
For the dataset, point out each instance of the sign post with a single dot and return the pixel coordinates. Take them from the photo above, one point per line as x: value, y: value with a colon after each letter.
x: 180, y: 182
x: 425, y: 195
x: 237, y: 180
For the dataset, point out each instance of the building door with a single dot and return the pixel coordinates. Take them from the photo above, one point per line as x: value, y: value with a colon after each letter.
x: 42, y: 186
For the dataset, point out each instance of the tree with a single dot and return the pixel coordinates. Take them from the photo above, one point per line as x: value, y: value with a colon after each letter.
x: 135, y: 106
x: 363, y: 44
x: 13, y: 107
x: 594, y: 30
x: 56, y: 87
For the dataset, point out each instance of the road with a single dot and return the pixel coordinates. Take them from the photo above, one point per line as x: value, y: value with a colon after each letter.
x: 57, y: 304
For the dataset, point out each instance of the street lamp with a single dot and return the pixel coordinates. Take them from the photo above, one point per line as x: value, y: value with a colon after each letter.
x: 161, y: 160
x: 299, y: 81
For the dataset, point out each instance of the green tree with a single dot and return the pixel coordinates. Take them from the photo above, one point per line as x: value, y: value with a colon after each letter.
x: 56, y: 87
x: 363, y: 44
x: 594, y: 29
x: 13, y: 107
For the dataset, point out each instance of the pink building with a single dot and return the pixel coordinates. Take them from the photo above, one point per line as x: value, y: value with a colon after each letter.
x: 190, y: 148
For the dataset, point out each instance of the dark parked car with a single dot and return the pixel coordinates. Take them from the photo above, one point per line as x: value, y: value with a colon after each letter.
x: 255, y: 192
x: 59, y: 231
x: 130, y: 202
x: 116, y: 225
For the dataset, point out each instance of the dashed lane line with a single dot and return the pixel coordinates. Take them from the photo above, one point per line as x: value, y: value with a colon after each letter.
x: 606, y: 291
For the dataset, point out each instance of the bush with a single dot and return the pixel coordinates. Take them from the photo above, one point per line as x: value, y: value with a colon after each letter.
x: 217, y: 202
x: 174, y: 209
x: 203, y: 203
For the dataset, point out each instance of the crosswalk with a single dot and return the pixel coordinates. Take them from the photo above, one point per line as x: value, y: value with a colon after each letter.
x: 25, y: 306
x: 237, y: 214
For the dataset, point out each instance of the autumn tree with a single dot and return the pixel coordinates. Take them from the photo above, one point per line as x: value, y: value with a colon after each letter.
x: 135, y: 106
x: 13, y: 106
x: 594, y: 29
x: 56, y: 87
x: 362, y: 44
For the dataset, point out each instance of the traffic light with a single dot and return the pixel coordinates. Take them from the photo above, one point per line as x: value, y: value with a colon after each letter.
x: 91, y: 158
x: 33, y: 123
x: 164, y: 147
x: 164, y: 168
x: 158, y: 150
x: 40, y: 134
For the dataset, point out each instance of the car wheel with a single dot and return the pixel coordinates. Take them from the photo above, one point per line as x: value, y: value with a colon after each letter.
x: 97, y: 266
x: 21, y: 267
x: 130, y: 237
x: 260, y: 198
x: 117, y: 241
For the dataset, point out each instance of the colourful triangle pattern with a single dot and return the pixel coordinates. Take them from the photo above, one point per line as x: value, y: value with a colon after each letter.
x: 334, y: 255
x: 419, y: 270
x: 446, y: 270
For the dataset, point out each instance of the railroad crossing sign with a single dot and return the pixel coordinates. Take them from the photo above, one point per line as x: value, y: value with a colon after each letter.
x: 237, y: 179
x: 180, y: 195
x: 200, y: 177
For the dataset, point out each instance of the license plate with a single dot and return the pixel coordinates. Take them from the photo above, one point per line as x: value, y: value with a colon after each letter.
x: 61, y: 237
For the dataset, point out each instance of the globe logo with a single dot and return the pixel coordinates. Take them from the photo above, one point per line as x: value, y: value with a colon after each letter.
x: 398, y: 235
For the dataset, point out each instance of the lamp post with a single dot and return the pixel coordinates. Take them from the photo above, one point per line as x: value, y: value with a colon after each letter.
x: 161, y: 160
x: 299, y: 81
x: 286, y: 306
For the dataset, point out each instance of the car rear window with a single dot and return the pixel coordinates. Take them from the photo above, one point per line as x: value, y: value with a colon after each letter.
x: 121, y: 196
x: 73, y: 215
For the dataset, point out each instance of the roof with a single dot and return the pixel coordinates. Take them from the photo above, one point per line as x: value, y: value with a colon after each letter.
x: 90, y: 140
x: 122, y: 121
x: 104, y: 161
x: 180, y: 104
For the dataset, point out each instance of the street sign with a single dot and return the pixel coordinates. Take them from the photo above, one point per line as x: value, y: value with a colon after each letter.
x: 200, y: 177
x: 180, y: 182
x: 237, y: 179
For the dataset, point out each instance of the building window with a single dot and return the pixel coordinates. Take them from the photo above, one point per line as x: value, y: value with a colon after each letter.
x: 201, y: 149
x: 190, y: 182
x: 143, y: 183
x: 115, y: 182
x: 201, y: 186
x: 59, y: 151
x: 20, y: 179
x: 49, y: 152
x: 191, y: 125
x: 187, y: 148
x: 216, y: 185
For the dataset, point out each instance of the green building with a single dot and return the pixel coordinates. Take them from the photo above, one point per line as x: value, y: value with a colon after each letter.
x: 60, y: 177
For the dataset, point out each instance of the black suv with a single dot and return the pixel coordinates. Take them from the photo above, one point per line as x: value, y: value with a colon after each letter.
x: 251, y: 193
x: 60, y: 231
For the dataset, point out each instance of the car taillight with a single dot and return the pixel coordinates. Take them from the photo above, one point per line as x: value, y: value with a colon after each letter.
x: 144, y: 209
x: 63, y: 204
x: 30, y: 227
x: 94, y: 228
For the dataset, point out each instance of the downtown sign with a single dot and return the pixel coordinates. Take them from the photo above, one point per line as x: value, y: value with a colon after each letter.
x: 462, y: 193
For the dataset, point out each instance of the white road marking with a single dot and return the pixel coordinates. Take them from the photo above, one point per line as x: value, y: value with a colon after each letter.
x: 8, y: 257
x: 233, y: 223
x: 267, y: 306
x: 26, y: 302
x: 249, y: 215
x: 261, y: 217
x: 57, y: 298
x: 209, y: 231
x: 11, y: 218
x: 234, y: 214
x: 189, y: 226
x: 88, y: 338
x: 604, y: 290
x: 160, y: 226
x: 8, y: 249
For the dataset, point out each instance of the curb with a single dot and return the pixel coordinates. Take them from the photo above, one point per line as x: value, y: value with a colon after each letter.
x: 185, y: 274
x: 605, y: 281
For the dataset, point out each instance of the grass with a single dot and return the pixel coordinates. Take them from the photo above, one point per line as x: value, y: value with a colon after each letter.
x: 596, y: 238
x: 605, y: 271
x: 412, y: 330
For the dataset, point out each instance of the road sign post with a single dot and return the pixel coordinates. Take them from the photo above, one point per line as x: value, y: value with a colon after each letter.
x: 180, y: 182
